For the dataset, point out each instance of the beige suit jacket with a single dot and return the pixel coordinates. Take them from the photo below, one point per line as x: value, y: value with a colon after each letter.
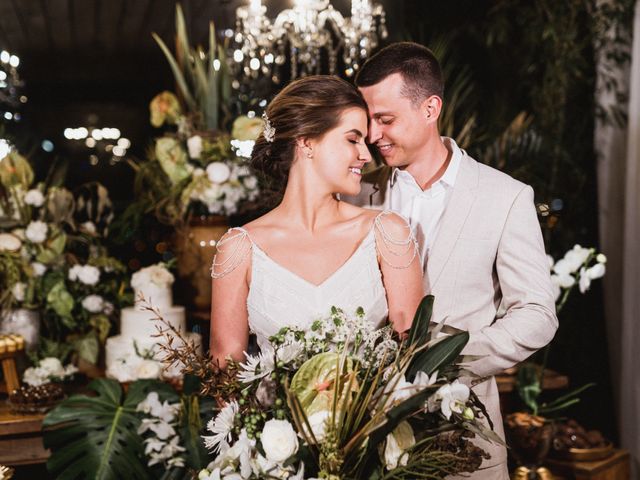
x: 488, y: 257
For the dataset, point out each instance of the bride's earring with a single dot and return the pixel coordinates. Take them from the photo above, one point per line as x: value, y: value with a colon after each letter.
x: 309, y: 153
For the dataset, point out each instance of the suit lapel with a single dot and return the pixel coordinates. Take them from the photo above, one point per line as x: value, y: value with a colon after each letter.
x: 454, y: 217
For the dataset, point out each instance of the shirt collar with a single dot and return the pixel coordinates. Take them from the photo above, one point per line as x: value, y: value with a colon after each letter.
x: 450, y: 174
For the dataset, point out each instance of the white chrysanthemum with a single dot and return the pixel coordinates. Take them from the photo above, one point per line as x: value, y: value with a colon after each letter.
x: 37, y: 231
x: 221, y: 427
x: 256, y: 367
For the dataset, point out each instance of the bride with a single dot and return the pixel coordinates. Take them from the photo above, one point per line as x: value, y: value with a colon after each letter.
x: 312, y: 252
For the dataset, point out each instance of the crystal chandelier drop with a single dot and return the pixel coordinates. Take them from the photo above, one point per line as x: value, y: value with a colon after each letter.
x: 309, y: 37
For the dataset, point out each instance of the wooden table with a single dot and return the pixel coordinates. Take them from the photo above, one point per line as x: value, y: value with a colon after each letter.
x: 615, y: 467
x: 20, y: 438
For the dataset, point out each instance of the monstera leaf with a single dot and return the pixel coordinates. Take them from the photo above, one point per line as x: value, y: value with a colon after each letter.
x: 96, y: 437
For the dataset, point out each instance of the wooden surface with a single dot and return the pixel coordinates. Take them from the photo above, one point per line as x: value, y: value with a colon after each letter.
x: 615, y: 467
x: 552, y: 381
x: 20, y: 438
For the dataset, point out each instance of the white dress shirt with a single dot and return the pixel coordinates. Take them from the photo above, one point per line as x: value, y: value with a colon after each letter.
x: 424, y: 208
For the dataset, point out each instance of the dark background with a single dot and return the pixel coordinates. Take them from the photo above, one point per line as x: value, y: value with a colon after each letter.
x: 94, y: 63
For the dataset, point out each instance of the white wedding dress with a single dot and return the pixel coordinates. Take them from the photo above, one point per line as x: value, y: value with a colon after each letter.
x: 278, y: 297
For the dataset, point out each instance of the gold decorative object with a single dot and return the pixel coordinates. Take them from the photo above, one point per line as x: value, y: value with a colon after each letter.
x: 525, y: 473
x: 10, y: 346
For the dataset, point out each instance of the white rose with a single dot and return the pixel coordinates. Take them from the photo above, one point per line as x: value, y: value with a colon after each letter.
x: 9, y: 242
x: 38, y: 269
x: 34, y: 198
x: 279, y: 440
x: 37, y: 231
x: 148, y: 369
x: 89, y: 275
x: 161, y: 276
x: 194, y: 145
x: 218, y: 172
x: 398, y: 442
x: 93, y: 303
x: 318, y: 422
x: 52, y: 365
x: 18, y: 290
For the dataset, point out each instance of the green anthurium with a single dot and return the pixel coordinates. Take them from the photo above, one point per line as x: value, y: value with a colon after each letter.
x: 96, y: 437
x: 15, y: 170
x: 172, y: 158
x: 88, y: 348
x: 316, y: 375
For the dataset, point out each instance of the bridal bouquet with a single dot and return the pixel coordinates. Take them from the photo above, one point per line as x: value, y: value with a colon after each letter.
x: 345, y: 400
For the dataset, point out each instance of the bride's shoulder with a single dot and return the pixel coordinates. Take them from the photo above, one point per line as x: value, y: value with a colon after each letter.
x: 232, y: 252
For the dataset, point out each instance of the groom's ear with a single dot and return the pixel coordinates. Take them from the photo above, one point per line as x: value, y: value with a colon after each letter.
x: 431, y: 108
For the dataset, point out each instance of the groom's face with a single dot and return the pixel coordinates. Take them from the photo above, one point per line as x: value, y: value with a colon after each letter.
x: 397, y: 127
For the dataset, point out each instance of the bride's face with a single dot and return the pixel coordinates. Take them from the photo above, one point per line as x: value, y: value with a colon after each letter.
x: 340, y: 155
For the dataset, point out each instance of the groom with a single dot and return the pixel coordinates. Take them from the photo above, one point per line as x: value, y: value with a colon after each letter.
x: 481, y: 245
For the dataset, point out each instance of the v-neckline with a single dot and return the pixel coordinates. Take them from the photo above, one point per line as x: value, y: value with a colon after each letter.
x: 304, y: 280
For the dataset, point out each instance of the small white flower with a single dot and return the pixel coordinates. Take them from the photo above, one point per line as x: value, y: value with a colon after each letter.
x: 93, y: 303
x: 318, y: 422
x: 194, y: 145
x: 9, y: 243
x: 156, y: 274
x: 601, y: 258
x: 34, y: 198
x: 89, y: 275
x: 37, y: 231
x: 584, y: 283
x: 148, y: 369
x: 279, y: 440
x: 551, y: 261
x: 250, y: 182
x: 198, y: 172
x: 35, y: 376
x: 218, y: 172
x: 221, y: 427
x: 52, y: 365
x: 38, y: 269
x: 243, y: 148
x: 74, y: 272
x: 108, y: 308
x: 18, y: 291
x: 162, y: 429
x: 596, y: 271
x: 564, y: 280
x: 576, y: 257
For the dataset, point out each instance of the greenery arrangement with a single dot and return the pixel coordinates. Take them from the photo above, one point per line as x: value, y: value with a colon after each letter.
x: 54, y: 260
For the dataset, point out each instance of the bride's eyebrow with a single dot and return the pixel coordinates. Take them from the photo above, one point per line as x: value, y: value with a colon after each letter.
x: 356, y: 131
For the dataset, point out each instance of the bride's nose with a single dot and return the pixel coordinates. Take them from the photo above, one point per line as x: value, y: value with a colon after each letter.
x: 364, y: 154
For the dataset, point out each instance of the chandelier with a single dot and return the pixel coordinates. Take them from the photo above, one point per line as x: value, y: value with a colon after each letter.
x: 310, y: 36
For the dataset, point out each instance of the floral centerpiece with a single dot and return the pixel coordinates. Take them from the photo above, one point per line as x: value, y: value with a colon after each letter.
x: 54, y: 261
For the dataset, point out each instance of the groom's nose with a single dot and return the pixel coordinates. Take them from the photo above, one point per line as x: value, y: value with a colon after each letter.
x: 375, y: 132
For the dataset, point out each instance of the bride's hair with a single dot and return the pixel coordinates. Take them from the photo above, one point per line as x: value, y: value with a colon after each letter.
x: 306, y: 108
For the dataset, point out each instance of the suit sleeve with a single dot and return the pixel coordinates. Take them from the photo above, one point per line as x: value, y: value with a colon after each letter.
x: 522, y: 269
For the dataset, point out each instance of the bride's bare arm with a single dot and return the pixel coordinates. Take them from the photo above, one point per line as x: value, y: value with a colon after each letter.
x: 401, y: 268
x: 230, y: 287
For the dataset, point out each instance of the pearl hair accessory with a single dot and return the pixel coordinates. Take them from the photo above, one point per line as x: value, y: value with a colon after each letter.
x: 269, y: 132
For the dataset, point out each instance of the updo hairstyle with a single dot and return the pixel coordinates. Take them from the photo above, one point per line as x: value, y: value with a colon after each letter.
x: 306, y: 108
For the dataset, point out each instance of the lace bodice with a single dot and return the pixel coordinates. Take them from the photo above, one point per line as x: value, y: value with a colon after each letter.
x: 278, y: 297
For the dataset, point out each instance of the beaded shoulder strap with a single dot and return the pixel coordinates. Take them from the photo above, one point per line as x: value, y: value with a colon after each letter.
x: 401, y: 248
x: 232, y: 249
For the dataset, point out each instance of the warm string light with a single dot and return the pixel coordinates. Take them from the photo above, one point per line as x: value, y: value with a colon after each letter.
x: 305, y: 34
x: 10, y: 86
x: 95, y: 138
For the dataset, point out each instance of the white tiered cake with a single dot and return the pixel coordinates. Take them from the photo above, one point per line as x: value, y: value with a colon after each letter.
x: 134, y: 354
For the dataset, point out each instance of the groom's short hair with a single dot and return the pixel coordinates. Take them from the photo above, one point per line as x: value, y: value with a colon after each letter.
x: 417, y: 64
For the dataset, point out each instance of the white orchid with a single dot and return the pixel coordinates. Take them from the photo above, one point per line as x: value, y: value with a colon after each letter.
x: 449, y: 398
x: 38, y: 269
